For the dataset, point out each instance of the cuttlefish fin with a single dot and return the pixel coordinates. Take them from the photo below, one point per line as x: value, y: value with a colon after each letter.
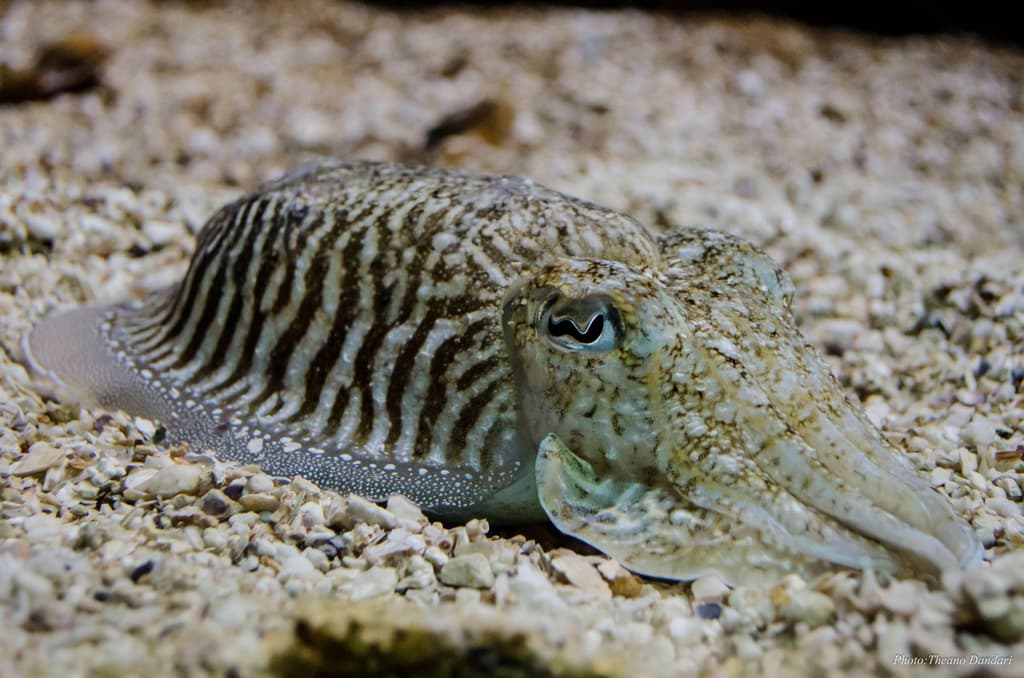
x: 654, y: 531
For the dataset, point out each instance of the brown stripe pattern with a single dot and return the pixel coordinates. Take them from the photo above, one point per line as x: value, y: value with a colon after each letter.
x: 344, y: 323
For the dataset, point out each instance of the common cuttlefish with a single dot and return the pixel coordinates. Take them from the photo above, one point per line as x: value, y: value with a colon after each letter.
x: 489, y: 347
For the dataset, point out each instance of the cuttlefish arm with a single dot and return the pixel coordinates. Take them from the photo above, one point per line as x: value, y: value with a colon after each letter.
x: 655, y: 532
x: 801, y: 437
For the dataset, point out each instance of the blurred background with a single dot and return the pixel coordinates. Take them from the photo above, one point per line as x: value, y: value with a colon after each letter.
x: 988, y: 19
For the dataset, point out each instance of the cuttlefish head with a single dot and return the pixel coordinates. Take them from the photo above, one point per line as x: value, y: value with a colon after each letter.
x: 685, y: 427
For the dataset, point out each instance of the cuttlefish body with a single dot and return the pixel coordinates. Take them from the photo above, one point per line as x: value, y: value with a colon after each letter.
x: 489, y: 347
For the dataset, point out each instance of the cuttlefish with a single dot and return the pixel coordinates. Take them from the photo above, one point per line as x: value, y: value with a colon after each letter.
x: 489, y: 347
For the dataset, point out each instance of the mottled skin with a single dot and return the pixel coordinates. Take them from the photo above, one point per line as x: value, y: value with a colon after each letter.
x: 652, y: 396
x: 711, y: 439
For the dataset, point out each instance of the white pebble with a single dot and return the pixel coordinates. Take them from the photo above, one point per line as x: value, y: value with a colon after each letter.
x: 371, y: 583
x: 40, y: 457
x: 169, y: 480
x: 708, y: 588
x: 808, y: 606
x: 259, y: 483
x: 980, y: 433
x: 1004, y: 507
x: 296, y: 566
x: 581, y: 574
x: 311, y: 514
x: 473, y: 570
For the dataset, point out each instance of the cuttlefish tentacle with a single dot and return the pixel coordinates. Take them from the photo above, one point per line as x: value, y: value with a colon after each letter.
x: 490, y: 347
x: 657, y: 532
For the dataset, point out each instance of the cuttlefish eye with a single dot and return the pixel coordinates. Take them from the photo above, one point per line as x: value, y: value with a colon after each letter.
x: 587, y: 324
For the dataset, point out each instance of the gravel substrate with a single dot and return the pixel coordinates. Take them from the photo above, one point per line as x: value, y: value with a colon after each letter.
x: 886, y: 175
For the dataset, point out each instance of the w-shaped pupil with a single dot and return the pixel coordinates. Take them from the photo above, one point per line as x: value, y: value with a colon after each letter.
x: 566, y: 327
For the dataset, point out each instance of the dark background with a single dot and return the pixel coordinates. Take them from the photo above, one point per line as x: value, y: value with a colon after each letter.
x: 989, y: 19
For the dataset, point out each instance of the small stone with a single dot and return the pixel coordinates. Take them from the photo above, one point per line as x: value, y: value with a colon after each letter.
x: 371, y: 583
x: 902, y: 598
x: 40, y: 457
x: 141, y: 570
x: 259, y: 483
x: 46, y: 227
x: 477, y: 528
x: 399, y: 542
x: 709, y: 588
x: 980, y: 433
x: 168, y: 481
x: 407, y: 511
x: 295, y: 566
x: 43, y: 526
x: 622, y: 582
x: 317, y: 557
x: 259, y: 502
x: 808, y: 606
x: 940, y: 476
x: 366, y: 511
x: 215, y: 503
x: 147, y: 427
x: 687, y: 630
x: 435, y: 556
x: 235, y: 489
x: 708, y: 610
x: 1004, y: 507
x: 163, y: 232
x: 994, y: 608
x: 419, y: 574
x: 215, y: 539
x: 311, y: 514
x: 581, y: 574
x: 473, y: 570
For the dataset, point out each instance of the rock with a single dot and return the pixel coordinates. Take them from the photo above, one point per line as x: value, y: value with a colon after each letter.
x: 980, y: 433
x: 215, y: 503
x: 622, y: 582
x: 407, y: 511
x: 215, y: 539
x: 46, y: 226
x: 310, y: 515
x: 40, y: 457
x: 902, y: 597
x: 399, y: 542
x: 808, y: 606
x: 472, y: 570
x: 259, y: 502
x: 708, y: 610
x: 43, y: 526
x: 368, y: 512
x: 435, y: 556
x: 163, y: 232
x: 259, y: 483
x: 295, y: 566
x: 371, y: 583
x: 1004, y: 507
x: 168, y: 481
x: 709, y: 588
x: 687, y: 630
x: 581, y: 574
x: 317, y: 557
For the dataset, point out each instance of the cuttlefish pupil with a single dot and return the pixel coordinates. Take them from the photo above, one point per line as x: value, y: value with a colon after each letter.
x: 587, y: 324
x: 489, y: 347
